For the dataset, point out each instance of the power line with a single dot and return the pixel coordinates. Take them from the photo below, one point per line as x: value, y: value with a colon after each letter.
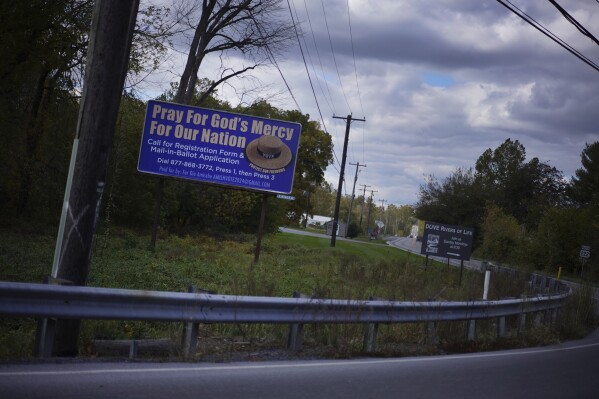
x: 333, y: 52
x: 332, y: 106
x: 574, y: 22
x: 353, y: 53
x: 307, y: 71
x: 274, y: 61
x: 547, y: 32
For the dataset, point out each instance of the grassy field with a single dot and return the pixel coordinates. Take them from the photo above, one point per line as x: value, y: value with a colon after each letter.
x: 224, y: 264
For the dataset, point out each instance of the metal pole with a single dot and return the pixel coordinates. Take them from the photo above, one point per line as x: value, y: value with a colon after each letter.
x: 486, y: 286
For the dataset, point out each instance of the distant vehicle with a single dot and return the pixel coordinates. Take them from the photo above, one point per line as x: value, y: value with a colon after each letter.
x: 419, y: 238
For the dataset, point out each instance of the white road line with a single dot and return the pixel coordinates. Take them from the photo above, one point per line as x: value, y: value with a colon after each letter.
x: 294, y: 365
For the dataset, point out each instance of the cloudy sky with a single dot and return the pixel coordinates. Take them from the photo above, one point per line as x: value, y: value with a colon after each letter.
x: 438, y: 82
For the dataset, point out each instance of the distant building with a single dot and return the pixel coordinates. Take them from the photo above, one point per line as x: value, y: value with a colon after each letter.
x: 316, y: 220
x: 341, y: 228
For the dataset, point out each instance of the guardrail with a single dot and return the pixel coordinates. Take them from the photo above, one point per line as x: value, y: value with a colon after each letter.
x: 77, y: 302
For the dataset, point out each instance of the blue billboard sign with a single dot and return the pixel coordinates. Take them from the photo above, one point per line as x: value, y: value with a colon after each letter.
x: 219, y: 147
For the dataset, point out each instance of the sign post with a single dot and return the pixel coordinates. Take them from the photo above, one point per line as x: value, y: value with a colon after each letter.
x: 585, y: 253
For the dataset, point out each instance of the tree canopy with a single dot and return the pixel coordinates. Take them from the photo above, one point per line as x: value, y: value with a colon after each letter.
x: 522, y: 210
x: 584, y: 187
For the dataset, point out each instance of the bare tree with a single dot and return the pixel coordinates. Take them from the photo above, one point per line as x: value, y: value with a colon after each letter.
x: 253, y: 28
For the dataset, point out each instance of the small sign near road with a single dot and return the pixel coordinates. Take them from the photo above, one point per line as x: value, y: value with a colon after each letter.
x: 447, y: 241
x: 585, y: 251
x: 286, y: 197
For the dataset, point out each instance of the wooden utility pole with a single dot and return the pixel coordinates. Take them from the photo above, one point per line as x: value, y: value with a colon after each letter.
x: 348, y: 120
x: 362, y: 210
x: 353, y: 191
x: 110, y: 38
x: 369, y: 208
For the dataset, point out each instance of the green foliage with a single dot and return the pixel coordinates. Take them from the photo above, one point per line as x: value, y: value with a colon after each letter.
x: 353, y: 230
x: 458, y: 200
x: 579, y: 316
x: 558, y: 239
x: 519, y: 187
x: 584, y: 188
x: 224, y: 264
x: 500, y: 234
x: 520, y: 209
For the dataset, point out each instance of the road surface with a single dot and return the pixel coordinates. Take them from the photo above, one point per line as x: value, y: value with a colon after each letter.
x: 567, y: 370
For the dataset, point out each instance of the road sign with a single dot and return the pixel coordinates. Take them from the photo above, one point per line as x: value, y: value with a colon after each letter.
x: 219, y: 147
x: 286, y: 197
x: 447, y: 241
x: 585, y: 251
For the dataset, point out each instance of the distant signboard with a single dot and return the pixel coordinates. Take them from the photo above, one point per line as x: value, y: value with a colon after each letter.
x: 219, y: 147
x: 585, y: 251
x: 447, y: 241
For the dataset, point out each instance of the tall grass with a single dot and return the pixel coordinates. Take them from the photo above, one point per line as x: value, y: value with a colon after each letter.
x: 224, y: 264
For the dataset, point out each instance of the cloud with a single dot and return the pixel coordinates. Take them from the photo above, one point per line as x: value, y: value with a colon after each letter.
x: 439, y: 82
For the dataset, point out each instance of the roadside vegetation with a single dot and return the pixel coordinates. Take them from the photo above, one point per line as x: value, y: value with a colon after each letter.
x: 288, y: 263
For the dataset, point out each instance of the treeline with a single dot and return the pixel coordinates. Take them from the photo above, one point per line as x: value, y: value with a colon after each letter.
x: 524, y: 212
x: 129, y: 197
x: 44, y: 47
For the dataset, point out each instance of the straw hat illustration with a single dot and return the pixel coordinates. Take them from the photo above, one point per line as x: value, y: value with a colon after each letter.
x: 268, y: 152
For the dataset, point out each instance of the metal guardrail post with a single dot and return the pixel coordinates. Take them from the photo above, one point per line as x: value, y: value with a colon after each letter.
x: 522, y: 316
x: 370, y: 332
x: 471, y: 333
x: 431, y: 333
x: 522, y: 323
x: 189, y: 339
x: 294, y: 339
x: 501, y: 327
x: 543, y: 286
x: 538, y: 320
x: 46, y: 326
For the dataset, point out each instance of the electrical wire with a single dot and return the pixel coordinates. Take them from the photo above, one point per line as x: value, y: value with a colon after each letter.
x: 574, y: 22
x: 308, y: 73
x: 353, y: 53
x: 333, y: 52
x: 274, y: 61
x: 331, y: 106
x: 547, y: 32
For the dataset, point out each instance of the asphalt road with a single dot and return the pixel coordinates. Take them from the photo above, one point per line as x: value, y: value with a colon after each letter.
x: 567, y: 370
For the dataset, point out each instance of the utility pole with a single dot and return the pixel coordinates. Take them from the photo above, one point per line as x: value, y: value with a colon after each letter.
x: 351, y: 200
x: 110, y: 38
x: 369, y: 208
x: 382, y: 208
x: 362, y: 210
x: 348, y: 120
